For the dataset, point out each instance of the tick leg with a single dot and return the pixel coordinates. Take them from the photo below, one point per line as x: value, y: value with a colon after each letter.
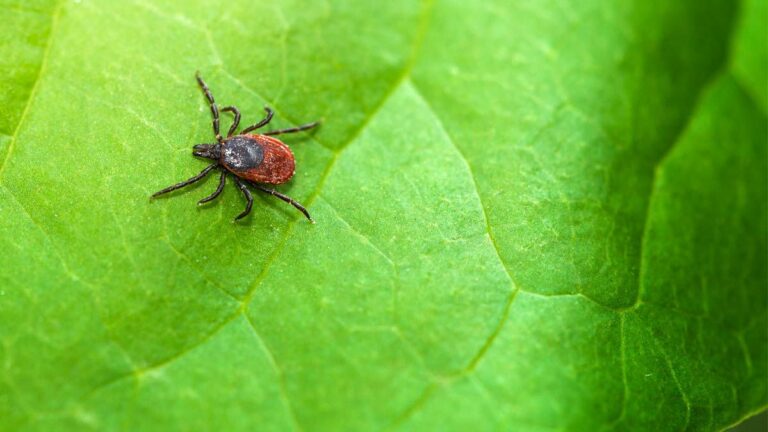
x: 214, y: 108
x: 248, y: 197
x: 293, y: 129
x: 202, y: 174
x: 236, y: 123
x: 262, y: 123
x: 285, y: 198
x: 217, y: 192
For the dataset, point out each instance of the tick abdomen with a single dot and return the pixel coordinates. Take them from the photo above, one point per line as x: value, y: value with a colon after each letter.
x: 258, y: 158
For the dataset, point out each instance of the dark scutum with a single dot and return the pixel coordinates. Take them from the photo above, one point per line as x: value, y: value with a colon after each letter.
x: 241, y: 153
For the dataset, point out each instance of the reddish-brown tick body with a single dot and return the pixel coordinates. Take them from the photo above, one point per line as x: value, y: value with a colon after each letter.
x: 253, y: 159
x: 258, y: 158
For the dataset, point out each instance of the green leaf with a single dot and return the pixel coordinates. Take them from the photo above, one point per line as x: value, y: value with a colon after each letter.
x: 531, y: 216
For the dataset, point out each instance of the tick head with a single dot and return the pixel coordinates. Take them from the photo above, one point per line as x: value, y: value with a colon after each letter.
x: 210, y: 151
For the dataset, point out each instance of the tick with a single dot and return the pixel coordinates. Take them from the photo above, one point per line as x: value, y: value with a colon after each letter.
x: 253, y: 159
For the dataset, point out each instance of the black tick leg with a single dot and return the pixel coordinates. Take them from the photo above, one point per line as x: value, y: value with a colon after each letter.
x: 285, y: 198
x: 236, y: 123
x: 293, y: 129
x: 214, y: 108
x: 248, y: 197
x: 262, y: 123
x: 202, y: 174
x: 217, y: 192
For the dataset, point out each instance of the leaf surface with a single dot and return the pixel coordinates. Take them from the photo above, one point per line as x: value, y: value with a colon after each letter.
x: 531, y: 215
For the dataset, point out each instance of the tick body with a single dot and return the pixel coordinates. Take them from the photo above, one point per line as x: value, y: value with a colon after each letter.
x: 252, y: 159
x: 258, y: 158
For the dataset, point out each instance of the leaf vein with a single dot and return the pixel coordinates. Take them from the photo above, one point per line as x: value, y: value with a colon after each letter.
x: 513, y: 285
x: 657, y: 174
x: 358, y: 233
x: 475, y: 360
x: 35, y: 87
x: 191, y: 265
x: 278, y: 371
x: 673, y: 374
x: 45, y: 234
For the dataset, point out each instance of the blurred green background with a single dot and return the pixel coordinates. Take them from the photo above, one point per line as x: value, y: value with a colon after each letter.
x: 531, y: 215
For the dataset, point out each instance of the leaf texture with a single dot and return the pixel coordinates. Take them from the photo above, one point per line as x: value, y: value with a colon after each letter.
x: 531, y: 216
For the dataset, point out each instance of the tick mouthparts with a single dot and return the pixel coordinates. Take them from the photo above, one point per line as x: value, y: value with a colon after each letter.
x: 200, y: 150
